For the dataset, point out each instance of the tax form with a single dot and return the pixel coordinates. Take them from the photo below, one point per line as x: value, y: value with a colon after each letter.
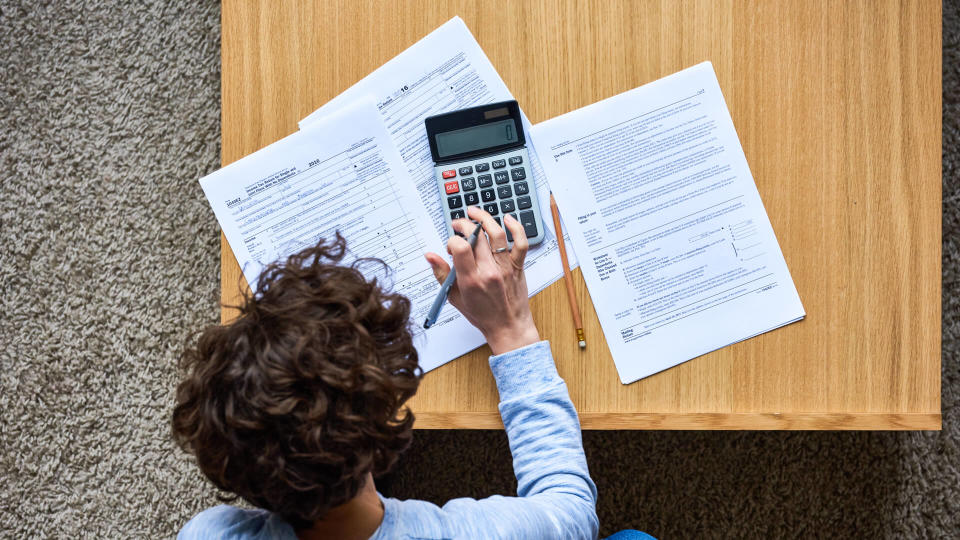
x: 340, y: 174
x: 674, y: 243
x: 445, y: 71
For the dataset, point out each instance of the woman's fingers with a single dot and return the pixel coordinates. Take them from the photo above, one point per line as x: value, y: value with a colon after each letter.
x: 463, y: 257
x: 494, y: 238
x: 520, y: 243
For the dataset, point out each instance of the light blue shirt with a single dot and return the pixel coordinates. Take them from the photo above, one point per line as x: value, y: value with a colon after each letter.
x: 555, y: 496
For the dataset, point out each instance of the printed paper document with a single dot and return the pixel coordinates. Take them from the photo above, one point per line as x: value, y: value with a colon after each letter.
x: 673, y: 240
x: 445, y: 71
x: 339, y: 174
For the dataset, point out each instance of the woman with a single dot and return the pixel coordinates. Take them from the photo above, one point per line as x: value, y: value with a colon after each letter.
x: 298, y: 404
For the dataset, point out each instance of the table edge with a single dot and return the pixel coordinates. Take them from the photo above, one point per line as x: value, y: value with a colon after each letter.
x: 868, y: 421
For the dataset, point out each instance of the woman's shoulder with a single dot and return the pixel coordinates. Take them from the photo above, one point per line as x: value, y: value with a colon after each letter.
x: 230, y: 522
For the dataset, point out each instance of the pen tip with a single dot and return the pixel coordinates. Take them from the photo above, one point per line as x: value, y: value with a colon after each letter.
x: 583, y: 344
x: 426, y: 324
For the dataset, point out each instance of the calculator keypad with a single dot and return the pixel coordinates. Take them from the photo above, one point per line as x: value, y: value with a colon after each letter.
x: 503, y: 192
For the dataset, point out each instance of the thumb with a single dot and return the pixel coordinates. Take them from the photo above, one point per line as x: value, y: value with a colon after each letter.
x: 440, y: 267
x: 440, y: 271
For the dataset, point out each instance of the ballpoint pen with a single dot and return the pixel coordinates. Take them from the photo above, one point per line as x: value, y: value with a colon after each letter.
x: 447, y: 283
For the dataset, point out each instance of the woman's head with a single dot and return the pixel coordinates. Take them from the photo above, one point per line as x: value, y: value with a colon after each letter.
x: 295, y: 401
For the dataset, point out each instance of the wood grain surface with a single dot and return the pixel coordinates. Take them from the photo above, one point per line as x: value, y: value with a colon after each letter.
x: 838, y: 107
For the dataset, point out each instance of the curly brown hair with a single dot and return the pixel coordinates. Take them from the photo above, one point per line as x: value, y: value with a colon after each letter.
x: 293, y: 403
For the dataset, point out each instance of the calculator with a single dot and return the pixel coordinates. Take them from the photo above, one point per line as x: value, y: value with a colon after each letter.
x: 480, y: 159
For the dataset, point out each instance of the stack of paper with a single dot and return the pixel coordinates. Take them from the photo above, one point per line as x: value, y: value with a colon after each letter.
x: 361, y: 165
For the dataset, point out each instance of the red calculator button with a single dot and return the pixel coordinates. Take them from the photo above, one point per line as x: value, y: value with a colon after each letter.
x: 452, y: 187
x: 449, y: 174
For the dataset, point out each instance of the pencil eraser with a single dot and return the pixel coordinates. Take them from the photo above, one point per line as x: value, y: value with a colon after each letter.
x: 583, y: 344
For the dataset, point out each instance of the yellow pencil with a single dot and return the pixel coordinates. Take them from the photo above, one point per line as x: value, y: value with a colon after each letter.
x: 574, y: 308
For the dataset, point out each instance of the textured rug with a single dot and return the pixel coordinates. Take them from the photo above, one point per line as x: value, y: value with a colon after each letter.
x: 109, y: 256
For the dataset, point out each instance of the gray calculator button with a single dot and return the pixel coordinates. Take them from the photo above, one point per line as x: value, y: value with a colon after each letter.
x: 472, y: 199
x: 523, y: 203
x: 499, y: 163
x: 503, y: 192
x: 454, y: 202
x: 506, y: 206
x: 501, y: 177
x: 529, y: 224
x: 521, y: 188
x: 468, y: 170
x: 485, y: 180
x: 483, y: 167
x: 518, y: 173
x: 515, y: 160
x: 457, y: 214
x: 468, y: 184
x: 487, y: 195
x: 491, y: 209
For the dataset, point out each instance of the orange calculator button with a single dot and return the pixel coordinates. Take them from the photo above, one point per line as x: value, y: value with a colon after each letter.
x: 449, y: 174
x: 452, y: 187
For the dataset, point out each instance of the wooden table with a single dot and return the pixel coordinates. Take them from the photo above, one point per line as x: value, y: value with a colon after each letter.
x: 837, y: 105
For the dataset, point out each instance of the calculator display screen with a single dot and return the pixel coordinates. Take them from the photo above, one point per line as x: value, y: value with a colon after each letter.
x: 474, y: 138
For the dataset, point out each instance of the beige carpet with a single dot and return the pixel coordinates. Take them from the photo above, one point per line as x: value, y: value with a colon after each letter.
x: 109, y: 112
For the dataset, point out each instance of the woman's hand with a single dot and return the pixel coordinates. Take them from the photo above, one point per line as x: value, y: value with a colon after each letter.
x: 490, y: 290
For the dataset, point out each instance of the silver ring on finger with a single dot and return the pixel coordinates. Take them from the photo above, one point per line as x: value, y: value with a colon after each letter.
x: 499, y: 250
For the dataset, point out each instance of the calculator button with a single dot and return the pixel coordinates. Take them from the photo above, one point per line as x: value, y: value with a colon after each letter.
x: 515, y: 160
x: 457, y: 214
x: 468, y: 184
x: 506, y: 206
x: 491, y: 209
x: 487, y: 195
x: 499, y: 164
x: 472, y: 199
x: 501, y: 177
x: 454, y: 202
x: 452, y: 187
x: 449, y: 174
x: 521, y: 188
x: 517, y: 174
x: 509, y: 236
x: 503, y: 192
x: 485, y: 180
x: 523, y: 203
x: 483, y: 167
x: 529, y: 224
x: 466, y: 170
